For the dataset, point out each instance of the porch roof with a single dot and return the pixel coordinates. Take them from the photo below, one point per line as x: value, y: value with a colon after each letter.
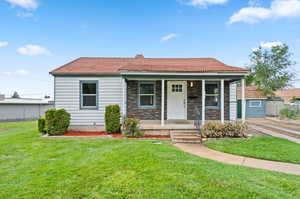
x: 116, y: 66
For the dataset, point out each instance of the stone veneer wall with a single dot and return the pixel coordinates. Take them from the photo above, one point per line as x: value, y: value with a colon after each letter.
x: 194, y: 99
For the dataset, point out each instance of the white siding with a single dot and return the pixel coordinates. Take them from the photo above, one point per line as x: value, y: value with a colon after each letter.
x: 233, y: 101
x: 67, y: 96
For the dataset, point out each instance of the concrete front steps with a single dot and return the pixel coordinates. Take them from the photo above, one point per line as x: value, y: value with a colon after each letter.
x: 185, y: 136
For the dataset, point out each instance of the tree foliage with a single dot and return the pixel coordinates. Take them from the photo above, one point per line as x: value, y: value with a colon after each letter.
x: 271, y: 69
x: 15, y: 95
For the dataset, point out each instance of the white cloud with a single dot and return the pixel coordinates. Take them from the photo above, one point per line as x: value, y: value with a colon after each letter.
x: 3, y: 43
x: 270, y: 44
x: 20, y: 72
x: 168, y: 37
x: 202, y: 3
x: 33, y: 50
x: 250, y: 15
x: 27, y: 4
x: 278, y: 9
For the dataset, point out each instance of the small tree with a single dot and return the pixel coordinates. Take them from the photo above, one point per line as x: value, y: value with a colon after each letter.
x: 271, y: 69
x: 15, y: 95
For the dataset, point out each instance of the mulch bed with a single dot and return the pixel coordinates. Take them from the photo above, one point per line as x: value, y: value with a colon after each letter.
x: 118, y: 135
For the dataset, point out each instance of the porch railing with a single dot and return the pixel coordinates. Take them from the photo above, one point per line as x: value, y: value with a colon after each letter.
x: 198, y: 121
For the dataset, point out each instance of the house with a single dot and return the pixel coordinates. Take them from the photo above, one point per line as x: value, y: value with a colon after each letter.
x: 157, y: 91
x: 255, y: 102
x: 289, y: 95
x: 23, y: 109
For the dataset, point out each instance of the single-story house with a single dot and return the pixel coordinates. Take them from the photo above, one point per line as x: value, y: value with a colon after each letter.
x: 23, y: 109
x: 255, y: 102
x: 157, y: 90
x: 289, y: 95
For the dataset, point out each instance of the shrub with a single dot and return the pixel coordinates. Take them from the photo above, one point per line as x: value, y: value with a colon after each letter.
x: 57, y: 121
x: 289, y: 112
x: 131, y: 127
x: 219, y: 130
x: 112, y: 118
x: 42, y: 125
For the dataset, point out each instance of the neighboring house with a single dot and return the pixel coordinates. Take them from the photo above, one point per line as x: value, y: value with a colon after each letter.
x: 153, y: 89
x: 23, y: 109
x: 289, y: 95
x: 255, y: 102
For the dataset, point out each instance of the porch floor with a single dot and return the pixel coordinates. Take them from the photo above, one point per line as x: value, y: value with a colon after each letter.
x: 169, y: 124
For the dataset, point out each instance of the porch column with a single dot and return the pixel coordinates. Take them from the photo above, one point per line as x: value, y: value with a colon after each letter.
x: 243, y: 101
x: 162, y: 102
x: 203, y: 102
x: 124, y: 91
x: 222, y: 100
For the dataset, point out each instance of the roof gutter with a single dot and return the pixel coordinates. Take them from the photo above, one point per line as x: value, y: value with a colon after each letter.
x: 186, y: 73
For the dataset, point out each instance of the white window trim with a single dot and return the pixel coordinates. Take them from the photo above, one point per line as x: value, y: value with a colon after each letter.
x: 255, y: 106
x: 154, y: 95
x: 82, y: 95
x: 213, y: 95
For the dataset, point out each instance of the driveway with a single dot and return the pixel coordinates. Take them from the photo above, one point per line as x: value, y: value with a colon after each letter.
x: 277, y: 128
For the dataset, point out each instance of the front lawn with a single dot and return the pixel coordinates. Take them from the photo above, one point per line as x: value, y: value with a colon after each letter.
x: 263, y: 147
x: 32, y: 167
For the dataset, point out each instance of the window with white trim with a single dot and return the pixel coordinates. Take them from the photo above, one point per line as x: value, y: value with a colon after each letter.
x: 255, y: 103
x: 212, y: 95
x: 88, y: 94
x: 146, y: 94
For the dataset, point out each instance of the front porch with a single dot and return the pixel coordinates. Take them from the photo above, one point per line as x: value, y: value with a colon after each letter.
x: 168, y: 104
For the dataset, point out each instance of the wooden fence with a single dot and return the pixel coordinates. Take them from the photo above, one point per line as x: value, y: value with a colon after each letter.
x: 273, y: 108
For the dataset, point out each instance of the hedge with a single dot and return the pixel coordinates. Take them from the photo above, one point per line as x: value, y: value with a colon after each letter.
x: 42, y: 125
x: 112, y: 118
x: 57, y: 121
x: 219, y: 130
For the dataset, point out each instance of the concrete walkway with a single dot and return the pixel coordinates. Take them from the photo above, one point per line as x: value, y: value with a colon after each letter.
x: 204, y: 152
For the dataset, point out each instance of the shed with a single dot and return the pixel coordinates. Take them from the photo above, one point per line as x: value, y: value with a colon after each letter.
x: 23, y: 109
x: 255, y: 102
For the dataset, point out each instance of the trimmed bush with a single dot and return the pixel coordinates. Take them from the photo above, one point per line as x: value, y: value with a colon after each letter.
x: 112, y: 118
x: 131, y: 127
x: 57, y: 121
x: 219, y: 130
x: 289, y: 112
x: 42, y: 125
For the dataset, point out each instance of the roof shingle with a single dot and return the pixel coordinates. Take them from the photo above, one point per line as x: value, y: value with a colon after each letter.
x: 87, y: 65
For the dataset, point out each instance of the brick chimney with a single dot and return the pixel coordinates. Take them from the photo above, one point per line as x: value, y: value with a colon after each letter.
x: 139, y: 56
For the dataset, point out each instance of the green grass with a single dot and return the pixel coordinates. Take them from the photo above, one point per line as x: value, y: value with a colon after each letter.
x: 263, y: 147
x: 32, y: 167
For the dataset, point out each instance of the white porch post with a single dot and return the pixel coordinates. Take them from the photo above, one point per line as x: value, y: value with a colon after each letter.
x: 162, y: 102
x: 203, y: 102
x: 243, y: 101
x: 222, y: 100
x: 124, y: 91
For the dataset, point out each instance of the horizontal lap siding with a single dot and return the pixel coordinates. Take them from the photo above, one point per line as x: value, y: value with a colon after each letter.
x: 233, y: 101
x: 67, y: 96
x: 256, y: 112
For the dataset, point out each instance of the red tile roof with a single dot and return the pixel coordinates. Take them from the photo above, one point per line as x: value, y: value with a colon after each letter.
x: 87, y: 65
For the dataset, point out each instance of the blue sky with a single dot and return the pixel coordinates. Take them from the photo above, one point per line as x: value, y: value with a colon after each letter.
x: 39, y: 35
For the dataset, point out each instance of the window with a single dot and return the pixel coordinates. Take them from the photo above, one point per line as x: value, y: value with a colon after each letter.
x: 88, y: 94
x: 147, y: 94
x: 255, y: 103
x: 177, y: 88
x: 212, y: 95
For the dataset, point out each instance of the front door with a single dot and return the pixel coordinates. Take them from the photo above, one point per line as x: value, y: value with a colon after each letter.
x: 176, y: 100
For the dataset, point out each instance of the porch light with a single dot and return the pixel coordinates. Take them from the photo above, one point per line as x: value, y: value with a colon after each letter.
x: 191, y: 84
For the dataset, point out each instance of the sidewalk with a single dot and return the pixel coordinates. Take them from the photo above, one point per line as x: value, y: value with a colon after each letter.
x: 204, y: 152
